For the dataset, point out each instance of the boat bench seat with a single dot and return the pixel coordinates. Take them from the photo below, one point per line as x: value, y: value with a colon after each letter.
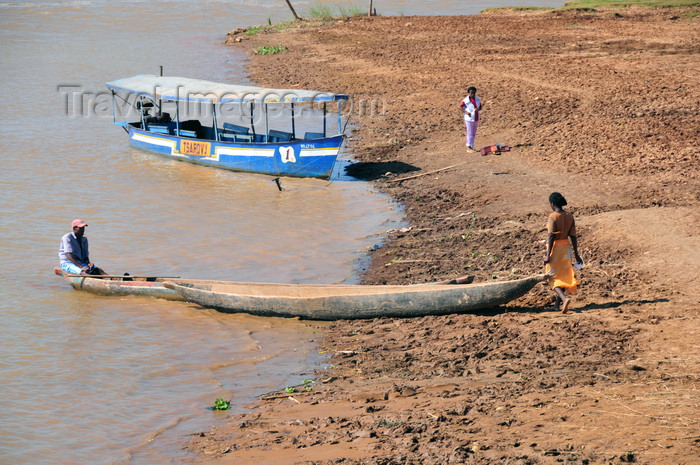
x: 159, y: 129
x: 186, y: 133
x: 314, y: 135
x: 278, y: 136
x: 235, y: 137
x: 236, y: 129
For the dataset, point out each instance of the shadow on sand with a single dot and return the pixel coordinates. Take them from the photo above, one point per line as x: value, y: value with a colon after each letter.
x: 593, y: 306
x: 620, y: 304
x: 370, y: 171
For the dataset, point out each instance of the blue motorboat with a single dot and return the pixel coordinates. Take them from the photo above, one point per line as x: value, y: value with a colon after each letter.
x: 235, y: 127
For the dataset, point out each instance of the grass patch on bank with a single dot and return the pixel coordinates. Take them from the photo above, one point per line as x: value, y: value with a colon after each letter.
x: 591, y: 5
x: 518, y: 8
x: 272, y: 27
x: 318, y: 14
x: 254, y: 30
x: 329, y: 12
x: 270, y: 50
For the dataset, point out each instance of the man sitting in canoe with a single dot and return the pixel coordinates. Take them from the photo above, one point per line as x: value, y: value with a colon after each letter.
x: 73, y: 251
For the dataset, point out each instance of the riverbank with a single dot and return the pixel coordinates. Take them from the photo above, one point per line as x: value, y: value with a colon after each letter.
x: 602, y: 107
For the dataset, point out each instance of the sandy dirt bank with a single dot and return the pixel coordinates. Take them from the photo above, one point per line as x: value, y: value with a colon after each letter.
x: 603, y: 107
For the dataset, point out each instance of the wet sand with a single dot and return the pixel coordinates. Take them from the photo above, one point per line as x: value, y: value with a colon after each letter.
x: 602, y: 107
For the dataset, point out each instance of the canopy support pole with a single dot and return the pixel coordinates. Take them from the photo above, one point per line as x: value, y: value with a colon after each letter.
x: 216, y: 126
x: 143, y: 117
x: 177, y: 116
x: 114, y: 109
x: 293, y: 127
x: 160, y: 101
x: 340, y: 123
x: 267, y: 124
x: 252, y: 119
x: 324, y: 119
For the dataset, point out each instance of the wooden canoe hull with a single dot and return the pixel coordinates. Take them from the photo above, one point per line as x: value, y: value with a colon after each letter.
x: 153, y: 287
x: 341, y: 302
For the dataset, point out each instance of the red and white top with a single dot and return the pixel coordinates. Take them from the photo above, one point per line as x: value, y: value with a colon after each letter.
x: 471, y: 105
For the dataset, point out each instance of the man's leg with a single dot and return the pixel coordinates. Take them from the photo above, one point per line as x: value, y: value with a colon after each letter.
x: 68, y: 267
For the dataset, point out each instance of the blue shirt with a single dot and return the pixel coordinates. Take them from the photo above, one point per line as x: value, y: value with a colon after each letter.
x: 70, y: 244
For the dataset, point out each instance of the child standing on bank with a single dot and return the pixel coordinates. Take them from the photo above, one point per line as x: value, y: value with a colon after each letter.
x: 471, y: 107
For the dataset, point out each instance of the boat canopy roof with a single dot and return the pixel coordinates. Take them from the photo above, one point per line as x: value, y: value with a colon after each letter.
x: 197, y: 90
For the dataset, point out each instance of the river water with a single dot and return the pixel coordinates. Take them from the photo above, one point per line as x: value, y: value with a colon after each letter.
x: 90, y: 380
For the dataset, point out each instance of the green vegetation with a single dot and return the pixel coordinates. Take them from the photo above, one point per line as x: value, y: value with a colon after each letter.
x: 591, y: 5
x: 328, y: 12
x: 221, y: 404
x: 351, y: 12
x: 471, y: 226
x: 308, y: 386
x: 269, y: 50
x: 270, y: 27
x: 321, y: 11
x: 254, y: 30
x: 518, y: 8
x: 284, y: 25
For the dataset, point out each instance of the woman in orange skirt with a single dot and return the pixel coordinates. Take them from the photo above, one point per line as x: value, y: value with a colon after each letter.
x: 562, y: 238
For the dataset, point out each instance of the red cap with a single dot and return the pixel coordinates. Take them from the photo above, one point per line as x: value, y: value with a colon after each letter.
x: 78, y: 223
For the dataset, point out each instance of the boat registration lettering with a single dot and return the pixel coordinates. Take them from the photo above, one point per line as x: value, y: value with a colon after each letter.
x: 194, y: 147
x: 308, y: 146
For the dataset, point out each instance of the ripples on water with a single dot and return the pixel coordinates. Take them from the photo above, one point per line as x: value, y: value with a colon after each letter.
x: 90, y: 380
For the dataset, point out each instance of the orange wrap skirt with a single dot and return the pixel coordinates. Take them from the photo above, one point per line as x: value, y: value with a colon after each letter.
x: 560, y: 262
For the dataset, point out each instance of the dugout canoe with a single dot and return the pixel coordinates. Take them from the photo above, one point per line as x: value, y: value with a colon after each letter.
x: 341, y: 302
x: 144, y: 286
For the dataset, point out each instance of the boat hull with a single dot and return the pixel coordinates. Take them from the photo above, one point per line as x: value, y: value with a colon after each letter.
x: 151, y: 287
x: 340, y: 302
x: 297, y: 158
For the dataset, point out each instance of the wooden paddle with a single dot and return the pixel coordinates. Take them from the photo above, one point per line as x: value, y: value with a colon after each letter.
x: 60, y: 272
x: 110, y: 276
